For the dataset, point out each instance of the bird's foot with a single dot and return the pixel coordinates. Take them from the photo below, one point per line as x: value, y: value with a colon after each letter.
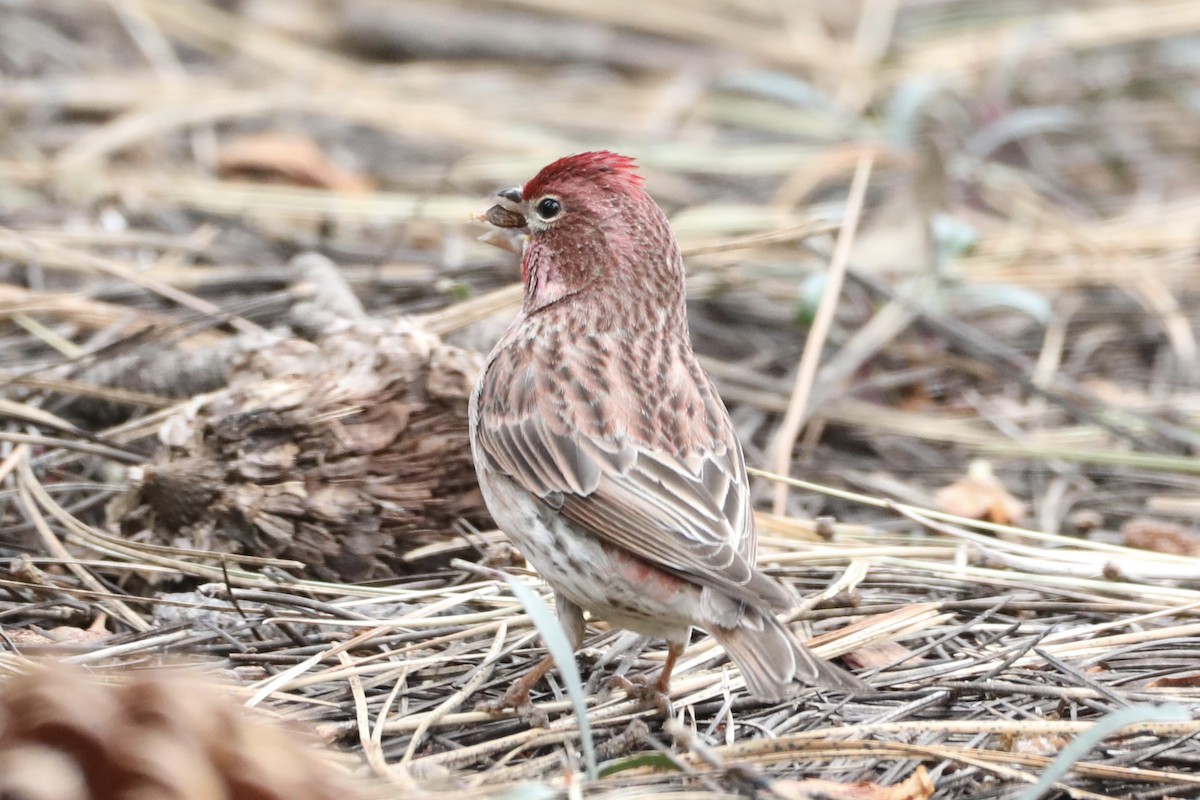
x: 649, y: 691
x: 516, y: 699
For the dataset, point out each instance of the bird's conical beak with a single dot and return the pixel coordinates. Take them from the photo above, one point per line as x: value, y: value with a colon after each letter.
x: 507, y: 213
x: 509, y: 220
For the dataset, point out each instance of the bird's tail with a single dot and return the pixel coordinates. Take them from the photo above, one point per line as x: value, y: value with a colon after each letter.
x: 773, y: 661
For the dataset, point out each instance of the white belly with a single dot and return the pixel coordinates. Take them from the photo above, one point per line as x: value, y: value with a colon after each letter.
x: 576, y: 565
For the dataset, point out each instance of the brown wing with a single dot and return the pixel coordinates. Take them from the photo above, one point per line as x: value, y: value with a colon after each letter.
x: 650, y: 465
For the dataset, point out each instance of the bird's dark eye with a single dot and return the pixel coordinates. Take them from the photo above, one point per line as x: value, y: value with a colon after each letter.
x: 549, y: 208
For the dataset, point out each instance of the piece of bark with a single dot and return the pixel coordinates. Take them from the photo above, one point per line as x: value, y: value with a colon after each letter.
x: 343, y: 453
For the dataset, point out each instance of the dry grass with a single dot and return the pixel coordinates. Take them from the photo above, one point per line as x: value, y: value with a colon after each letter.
x: 1022, y: 286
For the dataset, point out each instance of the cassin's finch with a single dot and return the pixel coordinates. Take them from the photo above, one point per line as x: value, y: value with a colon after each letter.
x: 602, y: 447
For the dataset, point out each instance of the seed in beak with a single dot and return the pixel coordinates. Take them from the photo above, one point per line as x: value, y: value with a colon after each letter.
x: 503, y: 217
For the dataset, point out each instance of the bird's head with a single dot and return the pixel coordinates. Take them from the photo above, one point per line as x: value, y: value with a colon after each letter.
x: 589, y: 225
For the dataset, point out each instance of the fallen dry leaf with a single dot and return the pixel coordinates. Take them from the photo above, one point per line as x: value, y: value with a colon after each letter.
x: 917, y: 399
x: 63, y: 633
x: 27, y: 636
x: 1114, y: 394
x: 874, y: 656
x: 1161, y: 537
x: 284, y: 158
x: 1176, y: 681
x: 1033, y: 745
x: 980, y: 495
x: 917, y: 786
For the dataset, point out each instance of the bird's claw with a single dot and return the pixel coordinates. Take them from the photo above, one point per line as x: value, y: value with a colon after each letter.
x: 516, y: 699
x: 649, y: 692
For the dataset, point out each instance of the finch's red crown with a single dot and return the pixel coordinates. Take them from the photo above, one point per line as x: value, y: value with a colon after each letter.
x: 599, y: 166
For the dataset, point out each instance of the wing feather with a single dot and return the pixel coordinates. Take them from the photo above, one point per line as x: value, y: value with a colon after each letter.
x: 684, y: 508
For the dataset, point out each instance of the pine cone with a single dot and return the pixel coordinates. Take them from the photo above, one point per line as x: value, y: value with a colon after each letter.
x: 65, y: 735
x: 344, y: 454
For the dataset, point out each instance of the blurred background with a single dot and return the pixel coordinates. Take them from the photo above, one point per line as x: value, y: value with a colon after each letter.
x: 1022, y: 279
x: 1005, y: 331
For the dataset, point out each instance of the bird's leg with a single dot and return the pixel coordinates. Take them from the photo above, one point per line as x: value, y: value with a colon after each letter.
x: 674, y: 651
x: 656, y: 692
x: 517, y: 696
